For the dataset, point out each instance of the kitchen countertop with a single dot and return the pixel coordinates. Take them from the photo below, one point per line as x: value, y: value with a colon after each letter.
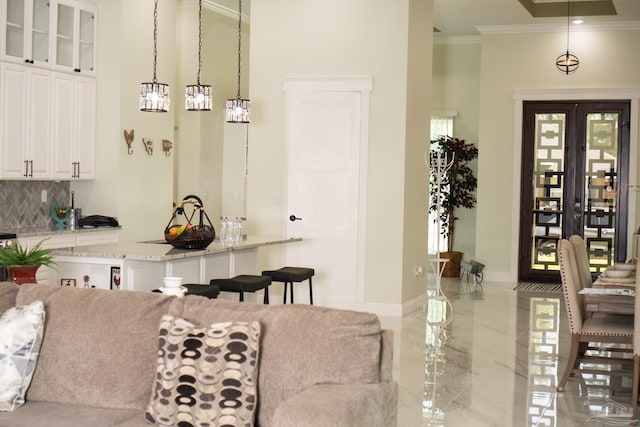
x: 163, y: 251
x: 48, y: 231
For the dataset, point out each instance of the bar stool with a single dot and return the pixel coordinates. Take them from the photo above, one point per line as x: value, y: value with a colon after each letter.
x: 288, y: 275
x: 209, y: 291
x: 244, y: 283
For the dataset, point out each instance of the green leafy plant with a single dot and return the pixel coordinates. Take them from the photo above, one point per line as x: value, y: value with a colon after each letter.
x: 458, y: 186
x: 16, y: 254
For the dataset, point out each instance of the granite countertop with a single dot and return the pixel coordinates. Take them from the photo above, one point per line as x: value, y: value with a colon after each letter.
x: 48, y: 231
x: 141, y: 251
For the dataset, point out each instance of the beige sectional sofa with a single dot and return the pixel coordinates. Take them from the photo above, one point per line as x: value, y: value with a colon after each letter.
x: 317, y: 366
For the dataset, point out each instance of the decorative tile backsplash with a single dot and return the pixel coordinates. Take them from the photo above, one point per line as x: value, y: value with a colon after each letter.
x: 21, y: 205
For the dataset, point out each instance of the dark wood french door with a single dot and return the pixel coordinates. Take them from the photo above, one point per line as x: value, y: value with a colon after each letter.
x: 575, y: 163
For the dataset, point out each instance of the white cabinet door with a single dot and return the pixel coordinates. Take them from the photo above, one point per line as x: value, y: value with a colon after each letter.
x: 26, y: 29
x: 75, y: 36
x: 74, y: 112
x: 24, y: 122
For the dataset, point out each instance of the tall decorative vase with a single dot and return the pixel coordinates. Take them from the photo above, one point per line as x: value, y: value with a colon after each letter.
x: 22, y: 273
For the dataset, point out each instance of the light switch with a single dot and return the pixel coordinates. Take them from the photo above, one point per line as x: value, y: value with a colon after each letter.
x: 43, y: 196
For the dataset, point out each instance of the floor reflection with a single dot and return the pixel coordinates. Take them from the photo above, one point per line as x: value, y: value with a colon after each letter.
x: 497, y: 363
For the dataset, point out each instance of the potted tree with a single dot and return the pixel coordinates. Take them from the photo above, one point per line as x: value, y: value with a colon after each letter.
x: 23, y: 263
x: 457, y: 190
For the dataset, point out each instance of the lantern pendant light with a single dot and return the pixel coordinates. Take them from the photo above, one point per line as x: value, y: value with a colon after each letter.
x: 567, y: 62
x: 198, y: 97
x: 238, y: 110
x: 154, y: 96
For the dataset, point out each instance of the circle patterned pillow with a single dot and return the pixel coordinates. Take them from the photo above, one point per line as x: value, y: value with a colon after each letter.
x: 205, y: 376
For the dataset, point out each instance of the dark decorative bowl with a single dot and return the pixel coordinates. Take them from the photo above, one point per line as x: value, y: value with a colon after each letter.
x: 193, y: 237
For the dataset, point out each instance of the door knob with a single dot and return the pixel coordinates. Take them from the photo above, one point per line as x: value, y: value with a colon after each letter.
x: 292, y: 218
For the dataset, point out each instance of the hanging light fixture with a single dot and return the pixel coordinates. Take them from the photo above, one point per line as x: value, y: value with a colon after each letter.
x: 154, y: 96
x: 567, y: 62
x: 238, y: 110
x: 198, y: 97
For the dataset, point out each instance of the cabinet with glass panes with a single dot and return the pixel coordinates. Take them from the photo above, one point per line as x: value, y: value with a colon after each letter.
x: 26, y: 26
x: 75, y: 32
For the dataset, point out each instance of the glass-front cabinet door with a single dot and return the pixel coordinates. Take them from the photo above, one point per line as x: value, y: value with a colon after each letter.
x: 575, y: 166
x: 75, y: 34
x: 26, y: 26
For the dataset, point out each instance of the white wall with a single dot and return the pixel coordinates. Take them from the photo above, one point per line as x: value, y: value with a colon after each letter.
x: 355, y: 38
x: 527, y: 61
x: 456, y: 86
x: 137, y: 188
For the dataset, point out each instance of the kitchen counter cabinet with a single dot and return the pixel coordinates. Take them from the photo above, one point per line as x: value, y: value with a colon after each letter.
x: 141, y: 266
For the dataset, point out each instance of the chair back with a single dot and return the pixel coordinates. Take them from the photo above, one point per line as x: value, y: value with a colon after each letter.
x: 582, y: 260
x: 570, y: 279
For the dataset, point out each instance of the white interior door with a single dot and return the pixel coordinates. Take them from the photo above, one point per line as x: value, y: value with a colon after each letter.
x: 324, y: 136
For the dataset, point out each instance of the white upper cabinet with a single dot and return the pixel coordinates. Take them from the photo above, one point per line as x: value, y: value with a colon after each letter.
x: 74, y: 29
x: 25, y: 137
x: 26, y: 28
x: 74, y: 127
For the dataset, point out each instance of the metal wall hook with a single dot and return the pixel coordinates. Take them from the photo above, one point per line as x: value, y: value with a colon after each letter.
x: 148, y: 145
x: 166, y: 147
x: 128, y: 139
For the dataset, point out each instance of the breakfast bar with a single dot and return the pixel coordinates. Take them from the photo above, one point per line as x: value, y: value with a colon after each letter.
x: 141, y: 266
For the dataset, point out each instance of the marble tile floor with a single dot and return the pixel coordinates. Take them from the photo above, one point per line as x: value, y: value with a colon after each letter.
x: 497, y: 364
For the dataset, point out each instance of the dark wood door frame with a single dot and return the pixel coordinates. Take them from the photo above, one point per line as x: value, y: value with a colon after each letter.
x: 573, y: 181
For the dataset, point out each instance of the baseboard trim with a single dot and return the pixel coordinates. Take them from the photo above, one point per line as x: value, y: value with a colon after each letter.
x: 396, y: 310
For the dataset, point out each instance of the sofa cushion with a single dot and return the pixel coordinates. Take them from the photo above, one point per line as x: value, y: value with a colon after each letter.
x: 205, y: 375
x: 99, y: 346
x: 8, y: 293
x: 20, y: 338
x: 300, y: 345
x: 48, y: 414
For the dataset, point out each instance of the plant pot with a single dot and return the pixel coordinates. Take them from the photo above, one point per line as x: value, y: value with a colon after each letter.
x: 22, y: 273
x: 451, y: 268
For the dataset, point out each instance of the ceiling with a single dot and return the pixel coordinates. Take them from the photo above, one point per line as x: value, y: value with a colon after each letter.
x: 463, y: 17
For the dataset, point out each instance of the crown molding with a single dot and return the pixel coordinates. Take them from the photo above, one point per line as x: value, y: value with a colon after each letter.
x: 457, y: 40
x: 556, y: 27
x: 214, y: 7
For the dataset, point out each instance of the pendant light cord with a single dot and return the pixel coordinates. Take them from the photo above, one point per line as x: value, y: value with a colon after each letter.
x: 568, y: 19
x: 239, y: 43
x: 199, y: 39
x: 155, y: 39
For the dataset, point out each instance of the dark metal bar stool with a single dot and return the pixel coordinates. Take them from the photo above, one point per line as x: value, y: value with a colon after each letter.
x: 209, y: 291
x: 288, y: 275
x: 244, y: 283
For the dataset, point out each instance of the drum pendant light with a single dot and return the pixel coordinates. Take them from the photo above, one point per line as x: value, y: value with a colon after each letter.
x: 198, y: 97
x: 154, y: 96
x: 238, y: 110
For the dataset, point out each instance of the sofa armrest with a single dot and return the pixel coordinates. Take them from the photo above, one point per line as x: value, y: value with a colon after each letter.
x: 340, y: 405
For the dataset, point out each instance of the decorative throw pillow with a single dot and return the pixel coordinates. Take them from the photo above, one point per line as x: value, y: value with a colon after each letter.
x: 21, y: 330
x: 206, y: 376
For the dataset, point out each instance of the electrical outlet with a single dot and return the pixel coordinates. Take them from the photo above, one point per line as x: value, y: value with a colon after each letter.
x: 43, y: 196
x: 419, y: 270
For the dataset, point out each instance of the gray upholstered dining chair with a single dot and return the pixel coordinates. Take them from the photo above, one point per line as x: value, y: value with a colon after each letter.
x: 582, y: 260
x: 607, y: 328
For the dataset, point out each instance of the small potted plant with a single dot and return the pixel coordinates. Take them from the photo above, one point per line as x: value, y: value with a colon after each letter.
x: 457, y: 190
x: 22, y: 263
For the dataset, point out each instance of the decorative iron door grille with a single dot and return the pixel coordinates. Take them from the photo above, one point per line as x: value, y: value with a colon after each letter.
x: 574, y: 181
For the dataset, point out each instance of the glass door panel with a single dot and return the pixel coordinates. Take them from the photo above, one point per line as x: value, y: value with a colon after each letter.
x: 14, y: 41
x: 601, y: 188
x: 548, y: 200
x: 40, y: 31
x: 86, y: 39
x: 64, y: 40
